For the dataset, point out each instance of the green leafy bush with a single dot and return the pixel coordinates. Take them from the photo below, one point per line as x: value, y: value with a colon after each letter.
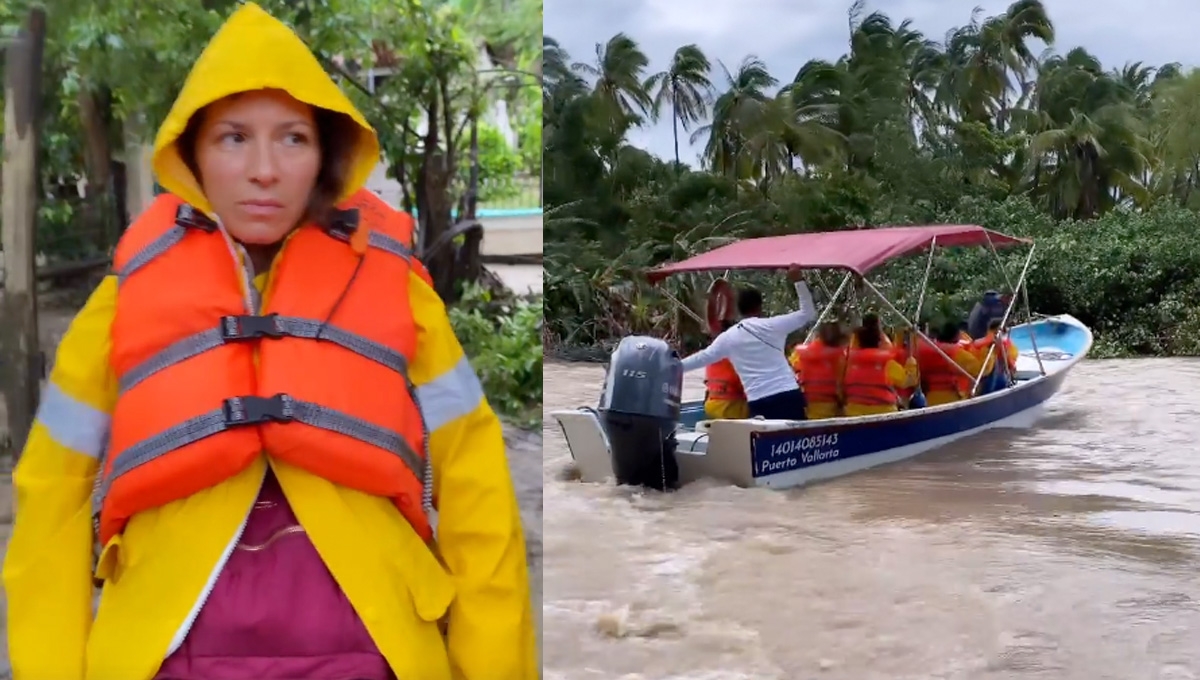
x: 502, y: 337
x: 498, y: 164
x: 529, y: 136
x: 858, y: 143
x: 1132, y: 276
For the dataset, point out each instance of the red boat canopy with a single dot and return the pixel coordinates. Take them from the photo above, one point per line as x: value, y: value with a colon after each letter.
x: 858, y: 250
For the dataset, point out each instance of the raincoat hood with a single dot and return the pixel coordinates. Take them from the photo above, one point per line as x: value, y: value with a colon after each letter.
x: 255, y: 51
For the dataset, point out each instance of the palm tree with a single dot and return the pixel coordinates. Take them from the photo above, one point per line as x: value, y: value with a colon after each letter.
x: 686, y: 87
x: 1089, y: 149
x: 985, y: 55
x: 736, y: 114
x: 618, y: 84
x: 557, y: 76
x: 1176, y: 135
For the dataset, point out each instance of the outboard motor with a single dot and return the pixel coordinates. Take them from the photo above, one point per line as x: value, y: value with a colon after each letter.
x: 639, y: 410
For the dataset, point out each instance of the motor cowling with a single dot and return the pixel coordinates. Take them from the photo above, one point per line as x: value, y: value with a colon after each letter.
x: 639, y: 410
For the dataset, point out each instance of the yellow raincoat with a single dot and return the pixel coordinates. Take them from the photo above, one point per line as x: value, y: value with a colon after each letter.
x: 160, y: 567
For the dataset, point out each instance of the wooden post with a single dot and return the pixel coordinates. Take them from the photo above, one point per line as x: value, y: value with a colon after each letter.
x: 20, y: 355
x: 139, y: 177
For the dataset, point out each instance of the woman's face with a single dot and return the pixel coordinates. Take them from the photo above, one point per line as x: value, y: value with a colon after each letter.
x: 258, y: 155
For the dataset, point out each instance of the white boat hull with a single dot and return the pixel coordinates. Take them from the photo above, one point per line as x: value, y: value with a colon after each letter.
x: 784, y: 454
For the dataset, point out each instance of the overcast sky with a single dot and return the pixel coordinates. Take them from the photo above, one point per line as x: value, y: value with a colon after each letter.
x: 786, y: 33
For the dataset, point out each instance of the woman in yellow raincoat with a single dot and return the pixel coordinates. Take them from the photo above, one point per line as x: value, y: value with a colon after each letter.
x: 244, y: 563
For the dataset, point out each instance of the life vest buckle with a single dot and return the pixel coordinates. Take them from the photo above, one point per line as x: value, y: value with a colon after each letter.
x: 251, y: 410
x: 344, y: 222
x: 251, y: 327
x: 190, y: 218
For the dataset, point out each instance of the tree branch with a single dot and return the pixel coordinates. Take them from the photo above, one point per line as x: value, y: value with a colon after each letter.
x: 528, y: 74
x: 384, y: 108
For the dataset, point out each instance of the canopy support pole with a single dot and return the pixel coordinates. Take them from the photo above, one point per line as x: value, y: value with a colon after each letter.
x: 1004, y: 322
x: 913, y: 327
x: 999, y: 262
x: 828, y: 307
x: 821, y: 282
x: 925, y: 280
x: 1032, y: 335
x: 856, y: 305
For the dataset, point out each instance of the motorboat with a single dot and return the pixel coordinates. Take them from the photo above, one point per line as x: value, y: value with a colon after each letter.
x: 643, y: 433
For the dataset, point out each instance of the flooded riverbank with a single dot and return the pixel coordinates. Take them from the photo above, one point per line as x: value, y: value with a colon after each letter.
x: 1065, y: 552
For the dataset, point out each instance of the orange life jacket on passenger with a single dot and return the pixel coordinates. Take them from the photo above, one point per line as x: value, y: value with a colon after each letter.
x: 797, y: 363
x: 367, y: 201
x: 319, y: 380
x: 981, y: 346
x: 901, y: 350
x: 822, y: 367
x: 722, y: 382
x: 866, y: 381
x: 939, y: 374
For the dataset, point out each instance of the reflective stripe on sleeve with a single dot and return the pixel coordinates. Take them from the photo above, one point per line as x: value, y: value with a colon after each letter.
x: 450, y: 396
x: 72, y: 423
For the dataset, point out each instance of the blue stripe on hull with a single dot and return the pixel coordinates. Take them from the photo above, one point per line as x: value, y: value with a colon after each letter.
x: 796, y: 449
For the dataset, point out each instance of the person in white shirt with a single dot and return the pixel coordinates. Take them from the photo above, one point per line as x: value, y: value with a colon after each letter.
x: 755, y: 347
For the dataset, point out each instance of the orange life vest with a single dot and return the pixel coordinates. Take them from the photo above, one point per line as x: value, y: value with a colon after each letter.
x: 367, y: 201
x: 319, y: 380
x: 866, y: 381
x: 722, y: 382
x: 981, y: 346
x: 797, y: 362
x: 939, y: 374
x: 901, y: 350
x: 822, y: 365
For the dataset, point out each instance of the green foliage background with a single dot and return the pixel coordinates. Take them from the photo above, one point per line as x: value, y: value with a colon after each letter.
x: 1098, y: 165
x: 502, y: 336
x: 129, y: 59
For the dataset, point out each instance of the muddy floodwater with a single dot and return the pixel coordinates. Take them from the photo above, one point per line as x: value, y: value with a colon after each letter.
x: 1067, y: 552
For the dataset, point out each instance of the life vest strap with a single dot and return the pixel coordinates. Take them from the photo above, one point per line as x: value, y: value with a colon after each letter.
x: 377, y: 240
x: 249, y: 327
x: 254, y: 410
x: 345, y: 223
x: 186, y: 218
x: 258, y: 410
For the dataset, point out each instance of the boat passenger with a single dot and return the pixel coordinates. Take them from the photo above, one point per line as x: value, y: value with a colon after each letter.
x: 872, y: 320
x: 992, y: 306
x: 941, y: 380
x: 797, y: 364
x: 903, y: 344
x: 996, y: 375
x: 873, y: 375
x: 755, y: 347
x: 795, y: 358
x: 724, y: 397
x: 253, y: 502
x: 824, y: 362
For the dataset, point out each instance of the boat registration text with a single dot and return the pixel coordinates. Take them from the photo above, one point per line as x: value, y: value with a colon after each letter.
x: 783, y: 451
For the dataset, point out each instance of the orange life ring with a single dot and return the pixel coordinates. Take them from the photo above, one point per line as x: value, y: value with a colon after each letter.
x: 720, y: 304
